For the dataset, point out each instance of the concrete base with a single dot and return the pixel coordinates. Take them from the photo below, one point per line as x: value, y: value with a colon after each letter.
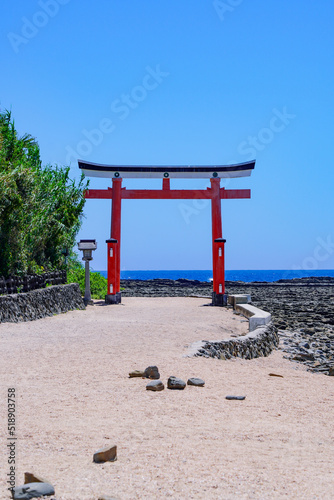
x: 233, y: 300
x: 114, y: 299
x: 219, y: 299
x: 257, y: 317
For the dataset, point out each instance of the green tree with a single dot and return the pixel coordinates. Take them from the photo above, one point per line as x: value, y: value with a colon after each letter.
x: 41, y: 208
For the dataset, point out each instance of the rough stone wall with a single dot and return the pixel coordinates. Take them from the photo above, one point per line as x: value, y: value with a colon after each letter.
x: 40, y: 303
x: 259, y: 342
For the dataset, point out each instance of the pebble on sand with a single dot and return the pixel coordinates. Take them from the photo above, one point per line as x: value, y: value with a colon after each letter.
x: 239, y: 398
x: 137, y: 373
x: 198, y: 382
x: 152, y: 372
x: 33, y: 490
x: 175, y: 383
x: 155, y: 385
x: 106, y: 497
x: 30, y: 477
x: 108, y: 454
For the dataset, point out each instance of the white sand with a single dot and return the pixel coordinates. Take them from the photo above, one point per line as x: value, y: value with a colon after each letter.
x: 74, y: 397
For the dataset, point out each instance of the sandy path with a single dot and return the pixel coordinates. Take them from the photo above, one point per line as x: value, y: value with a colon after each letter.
x: 74, y: 397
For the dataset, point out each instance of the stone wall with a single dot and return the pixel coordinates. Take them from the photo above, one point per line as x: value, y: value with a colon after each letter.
x: 40, y: 303
x: 259, y: 342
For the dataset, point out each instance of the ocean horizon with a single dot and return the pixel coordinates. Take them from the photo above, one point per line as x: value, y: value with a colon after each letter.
x: 236, y: 275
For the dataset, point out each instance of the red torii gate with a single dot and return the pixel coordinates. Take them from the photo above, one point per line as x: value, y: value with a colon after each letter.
x: 118, y: 193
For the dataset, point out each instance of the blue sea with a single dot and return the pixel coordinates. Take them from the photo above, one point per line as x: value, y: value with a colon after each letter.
x: 247, y: 276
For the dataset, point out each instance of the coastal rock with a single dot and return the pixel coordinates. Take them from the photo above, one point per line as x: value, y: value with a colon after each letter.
x: 137, y: 373
x: 108, y: 454
x: 33, y: 490
x: 152, y: 372
x: 175, y: 383
x: 155, y: 385
x: 331, y: 371
x: 198, y: 382
x: 302, y: 356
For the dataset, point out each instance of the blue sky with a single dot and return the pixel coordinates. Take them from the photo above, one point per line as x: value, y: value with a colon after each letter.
x: 184, y: 82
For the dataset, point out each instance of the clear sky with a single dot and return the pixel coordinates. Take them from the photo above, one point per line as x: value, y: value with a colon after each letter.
x: 185, y: 82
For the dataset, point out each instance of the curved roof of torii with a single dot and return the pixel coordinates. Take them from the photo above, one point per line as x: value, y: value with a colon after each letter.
x: 166, y: 171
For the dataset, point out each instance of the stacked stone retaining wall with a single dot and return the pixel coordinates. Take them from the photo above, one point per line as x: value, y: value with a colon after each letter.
x: 29, y: 282
x: 259, y: 342
x: 40, y: 303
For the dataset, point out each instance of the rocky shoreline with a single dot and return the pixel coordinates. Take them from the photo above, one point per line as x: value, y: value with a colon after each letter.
x: 302, y: 310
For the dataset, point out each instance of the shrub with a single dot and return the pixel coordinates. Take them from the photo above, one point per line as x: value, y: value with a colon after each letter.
x: 98, y: 284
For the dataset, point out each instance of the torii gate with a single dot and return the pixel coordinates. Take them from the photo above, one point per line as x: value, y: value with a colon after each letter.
x: 118, y: 193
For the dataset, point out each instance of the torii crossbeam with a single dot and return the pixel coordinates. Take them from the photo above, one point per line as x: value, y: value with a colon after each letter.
x: 214, y: 193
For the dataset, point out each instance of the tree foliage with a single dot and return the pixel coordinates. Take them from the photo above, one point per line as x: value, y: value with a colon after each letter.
x: 40, y: 207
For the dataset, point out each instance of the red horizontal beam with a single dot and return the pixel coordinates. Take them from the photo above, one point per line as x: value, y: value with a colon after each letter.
x: 167, y: 194
x: 229, y: 194
x: 100, y: 194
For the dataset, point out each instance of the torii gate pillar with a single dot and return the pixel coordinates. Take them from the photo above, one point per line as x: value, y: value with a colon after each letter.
x: 219, y: 297
x: 114, y: 245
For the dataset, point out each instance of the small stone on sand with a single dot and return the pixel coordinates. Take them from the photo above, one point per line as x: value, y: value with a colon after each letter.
x: 175, y: 383
x: 30, y: 477
x: 155, y: 385
x: 196, y: 381
x: 239, y: 398
x: 108, y: 454
x: 33, y: 490
x: 152, y: 372
x: 137, y: 373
